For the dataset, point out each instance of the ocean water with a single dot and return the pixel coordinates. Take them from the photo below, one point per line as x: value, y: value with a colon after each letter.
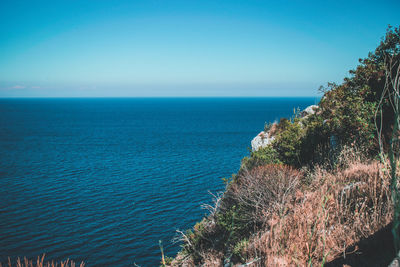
x: 103, y: 180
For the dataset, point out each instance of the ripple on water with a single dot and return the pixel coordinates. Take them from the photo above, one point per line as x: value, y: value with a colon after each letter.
x: 102, y: 180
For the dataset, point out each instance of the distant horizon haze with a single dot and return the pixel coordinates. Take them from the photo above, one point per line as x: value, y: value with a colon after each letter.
x: 190, y: 91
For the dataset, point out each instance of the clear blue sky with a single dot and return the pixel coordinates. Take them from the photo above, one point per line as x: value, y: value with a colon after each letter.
x: 184, y: 48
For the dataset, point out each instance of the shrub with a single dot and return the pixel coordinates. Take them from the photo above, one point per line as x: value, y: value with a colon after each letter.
x: 348, y: 115
x: 334, y: 212
x: 200, y: 239
x: 315, y: 144
x: 279, y: 217
x: 239, y: 250
x: 265, y: 155
x: 265, y: 188
x: 249, y: 201
x: 288, y: 141
x: 272, y: 215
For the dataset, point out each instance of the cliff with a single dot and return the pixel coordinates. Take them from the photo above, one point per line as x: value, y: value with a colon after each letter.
x: 316, y: 188
x: 266, y: 137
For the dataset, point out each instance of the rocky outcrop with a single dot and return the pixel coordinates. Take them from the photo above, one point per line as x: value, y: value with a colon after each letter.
x: 261, y: 140
x: 265, y: 138
x: 309, y: 111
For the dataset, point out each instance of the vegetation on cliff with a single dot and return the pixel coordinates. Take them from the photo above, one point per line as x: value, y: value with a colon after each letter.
x: 321, y: 187
x: 40, y: 262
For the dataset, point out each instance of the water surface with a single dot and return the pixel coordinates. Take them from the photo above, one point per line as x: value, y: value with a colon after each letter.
x: 103, y: 180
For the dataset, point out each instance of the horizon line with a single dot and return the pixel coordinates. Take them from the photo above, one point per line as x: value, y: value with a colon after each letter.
x: 148, y: 97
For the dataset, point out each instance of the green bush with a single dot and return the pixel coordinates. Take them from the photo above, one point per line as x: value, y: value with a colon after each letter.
x: 288, y: 141
x: 315, y: 144
x: 263, y: 156
x: 198, y: 240
x: 239, y: 250
x: 349, y: 115
x: 234, y: 223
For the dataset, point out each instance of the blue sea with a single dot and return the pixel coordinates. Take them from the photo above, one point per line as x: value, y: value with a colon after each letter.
x: 102, y: 180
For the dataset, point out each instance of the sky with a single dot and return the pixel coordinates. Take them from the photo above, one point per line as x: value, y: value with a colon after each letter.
x: 161, y: 48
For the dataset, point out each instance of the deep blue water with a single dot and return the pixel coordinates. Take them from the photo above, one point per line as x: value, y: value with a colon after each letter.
x: 103, y: 180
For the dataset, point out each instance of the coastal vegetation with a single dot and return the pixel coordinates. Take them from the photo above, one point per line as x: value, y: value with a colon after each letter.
x: 324, y: 191
x: 40, y: 262
x: 323, y: 187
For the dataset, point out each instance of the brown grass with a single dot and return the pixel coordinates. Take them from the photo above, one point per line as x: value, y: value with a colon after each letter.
x: 265, y: 190
x: 334, y: 212
x: 272, y: 131
x: 300, y: 218
x: 40, y: 263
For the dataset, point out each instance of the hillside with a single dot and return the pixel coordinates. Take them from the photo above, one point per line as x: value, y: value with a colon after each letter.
x: 322, y: 189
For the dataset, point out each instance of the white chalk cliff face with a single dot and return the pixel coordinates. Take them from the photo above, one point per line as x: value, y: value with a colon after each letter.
x: 263, y: 139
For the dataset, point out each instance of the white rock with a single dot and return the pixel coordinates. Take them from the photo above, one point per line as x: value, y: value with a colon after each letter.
x: 309, y: 110
x: 265, y: 138
x: 261, y: 140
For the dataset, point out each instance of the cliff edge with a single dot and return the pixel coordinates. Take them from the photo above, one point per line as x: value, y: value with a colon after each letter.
x: 316, y: 189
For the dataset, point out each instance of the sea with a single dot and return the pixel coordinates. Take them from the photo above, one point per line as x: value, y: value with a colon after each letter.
x: 104, y: 180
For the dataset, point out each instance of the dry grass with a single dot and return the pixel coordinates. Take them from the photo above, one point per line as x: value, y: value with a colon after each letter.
x: 40, y: 263
x: 213, y: 259
x: 265, y: 190
x: 300, y: 218
x: 334, y: 212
